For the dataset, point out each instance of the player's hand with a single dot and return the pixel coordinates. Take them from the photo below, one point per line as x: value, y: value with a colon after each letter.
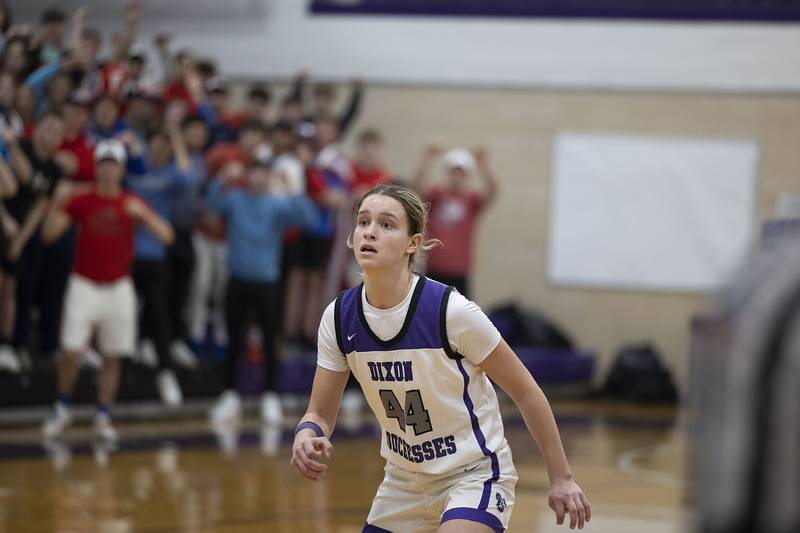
x: 567, y: 498
x: 136, y: 209
x: 307, y: 453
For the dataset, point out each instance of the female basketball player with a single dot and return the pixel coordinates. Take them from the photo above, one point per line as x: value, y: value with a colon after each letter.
x: 424, y: 355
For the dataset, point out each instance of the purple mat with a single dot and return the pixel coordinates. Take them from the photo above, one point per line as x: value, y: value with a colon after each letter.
x: 556, y: 366
x: 548, y: 366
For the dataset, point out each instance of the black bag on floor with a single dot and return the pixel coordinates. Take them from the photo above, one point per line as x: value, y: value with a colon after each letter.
x: 523, y: 327
x: 638, y: 375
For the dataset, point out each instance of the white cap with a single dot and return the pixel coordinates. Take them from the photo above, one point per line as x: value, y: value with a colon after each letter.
x: 460, y: 158
x: 290, y: 168
x: 110, y: 149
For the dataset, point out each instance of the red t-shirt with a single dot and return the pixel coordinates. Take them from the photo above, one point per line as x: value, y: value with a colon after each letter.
x: 105, y: 236
x: 83, y: 149
x: 452, y: 220
x: 113, y: 79
x: 366, y: 179
x: 178, y: 91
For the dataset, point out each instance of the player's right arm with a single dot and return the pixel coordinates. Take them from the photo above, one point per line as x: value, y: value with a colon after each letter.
x: 309, y: 449
x: 326, y: 393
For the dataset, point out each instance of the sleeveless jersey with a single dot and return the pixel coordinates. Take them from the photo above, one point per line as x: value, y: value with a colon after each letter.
x: 437, y: 410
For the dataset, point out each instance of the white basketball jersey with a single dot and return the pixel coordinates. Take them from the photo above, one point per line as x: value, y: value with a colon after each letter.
x: 437, y: 410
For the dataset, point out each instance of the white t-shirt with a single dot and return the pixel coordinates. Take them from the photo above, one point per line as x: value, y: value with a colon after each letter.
x: 469, y: 330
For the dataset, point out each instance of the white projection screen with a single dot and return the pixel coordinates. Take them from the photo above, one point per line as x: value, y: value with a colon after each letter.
x: 650, y: 213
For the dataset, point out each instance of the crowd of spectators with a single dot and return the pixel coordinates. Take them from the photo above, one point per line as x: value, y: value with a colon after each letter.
x: 254, y: 196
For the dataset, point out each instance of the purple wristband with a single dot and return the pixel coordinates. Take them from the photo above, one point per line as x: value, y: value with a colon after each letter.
x: 309, y: 425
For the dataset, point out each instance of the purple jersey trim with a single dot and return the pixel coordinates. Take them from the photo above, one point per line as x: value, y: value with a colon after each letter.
x: 420, y: 329
x: 368, y: 528
x: 476, y: 429
x: 474, y: 515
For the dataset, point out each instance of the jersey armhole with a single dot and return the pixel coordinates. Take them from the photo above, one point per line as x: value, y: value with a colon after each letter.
x: 337, y: 322
x: 443, y: 326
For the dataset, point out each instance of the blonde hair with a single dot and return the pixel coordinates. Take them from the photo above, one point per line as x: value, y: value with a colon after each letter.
x: 416, y: 212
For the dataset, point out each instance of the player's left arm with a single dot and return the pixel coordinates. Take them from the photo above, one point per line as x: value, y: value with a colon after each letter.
x: 504, y: 368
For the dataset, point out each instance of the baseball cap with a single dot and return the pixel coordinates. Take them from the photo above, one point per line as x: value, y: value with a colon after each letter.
x: 460, y: 158
x: 110, y: 149
x: 262, y: 157
x: 138, y: 51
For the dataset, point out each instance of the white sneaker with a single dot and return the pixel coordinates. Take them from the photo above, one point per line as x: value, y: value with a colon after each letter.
x: 352, y: 402
x: 169, y: 388
x: 147, y: 354
x: 55, y: 424
x: 227, y: 439
x: 90, y: 358
x: 183, y: 355
x: 350, y: 415
x: 103, y: 428
x: 227, y: 410
x: 8, y: 360
x: 270, y: 440
x: 271, y: 410
x: 291, y: 403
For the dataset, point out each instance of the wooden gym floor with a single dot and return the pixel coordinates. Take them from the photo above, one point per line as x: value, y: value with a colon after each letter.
x: 176, y: 476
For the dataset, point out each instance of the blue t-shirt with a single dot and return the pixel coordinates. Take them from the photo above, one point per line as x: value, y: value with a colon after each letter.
x: 161, y: 188
x: 255, y: 226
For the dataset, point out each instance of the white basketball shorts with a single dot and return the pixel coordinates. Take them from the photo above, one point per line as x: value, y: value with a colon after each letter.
x: 109, y: 309
x: 479, y: 492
